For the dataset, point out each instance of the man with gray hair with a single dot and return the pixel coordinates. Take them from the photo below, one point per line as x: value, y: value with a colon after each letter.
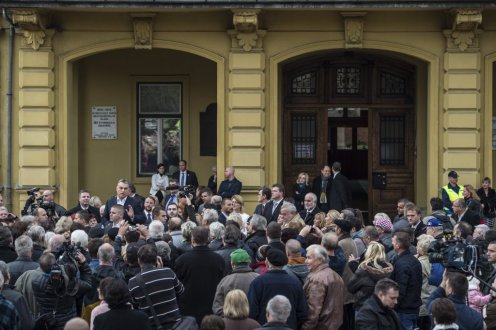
x: 311, y: 208
x: 23, y: 263
x: 296, y: 263
x: 210, y: 216
x: 105, y: 268
x: 216, y: 233
x: 156, y: 230
x: 324, y: 290
x: 37, y: 234
x: 256, y: 232
x: 289, y: 217
x: 277, y: 313
x: 14, y: 296
x: 175, y: 231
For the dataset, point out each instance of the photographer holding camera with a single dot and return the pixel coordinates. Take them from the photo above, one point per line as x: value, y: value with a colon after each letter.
x: 56, y: 289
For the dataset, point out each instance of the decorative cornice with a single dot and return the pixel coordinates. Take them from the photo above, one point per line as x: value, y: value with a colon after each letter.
x: 31, y: 24
x: 246, y: 35
x: 353, y: 28
x: 464, y: 33
x: 143, y: 30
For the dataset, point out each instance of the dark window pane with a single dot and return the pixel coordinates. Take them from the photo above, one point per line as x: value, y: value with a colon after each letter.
x: 348, y: 80
x: 303, y: 138
x: 392, y: 140
x: 392, y: 84
x: 304, y: 84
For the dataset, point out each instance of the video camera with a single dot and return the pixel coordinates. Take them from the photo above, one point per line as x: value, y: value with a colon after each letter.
x: 457, y: 255
x: 64, y: 271
x: 186, y: 191
x: 39, y: 202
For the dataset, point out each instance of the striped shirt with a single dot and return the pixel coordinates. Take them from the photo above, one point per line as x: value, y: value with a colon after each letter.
x: 162, y: 287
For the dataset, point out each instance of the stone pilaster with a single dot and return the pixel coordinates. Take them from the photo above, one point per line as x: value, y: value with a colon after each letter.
x: 246, y: 100
x: 36, y: 102
x: 462, y: 98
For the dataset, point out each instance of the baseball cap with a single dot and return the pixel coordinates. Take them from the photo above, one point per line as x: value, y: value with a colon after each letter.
x: 434, y: 222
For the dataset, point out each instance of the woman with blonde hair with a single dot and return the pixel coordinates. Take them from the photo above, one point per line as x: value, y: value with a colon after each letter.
x: 236, y: 311
x: 239, y: 207
x: 300, y: 189
x: 423, y: 243
x: 95, y: 201
x: 63, y: 227
x: 319, y: 220
x: 372, y: 269
x: 330, y: 217
x: 472, y: 200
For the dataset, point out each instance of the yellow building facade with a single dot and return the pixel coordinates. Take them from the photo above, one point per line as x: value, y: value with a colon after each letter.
x: 268, y: 71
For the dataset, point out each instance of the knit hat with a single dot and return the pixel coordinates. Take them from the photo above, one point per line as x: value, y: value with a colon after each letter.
x: 276, y: 257
x: 382, y: 221
x: 240, y: 256
x: 344, y: 225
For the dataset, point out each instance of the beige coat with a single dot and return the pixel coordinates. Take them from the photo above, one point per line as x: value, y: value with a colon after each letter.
x: 324, y: 290
x: 349, y: 247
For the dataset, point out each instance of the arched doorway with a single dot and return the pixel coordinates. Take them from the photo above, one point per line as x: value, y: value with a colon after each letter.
x: 357, y: 109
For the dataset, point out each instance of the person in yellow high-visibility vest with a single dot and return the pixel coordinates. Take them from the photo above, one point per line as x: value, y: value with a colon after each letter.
x: 451, y: 192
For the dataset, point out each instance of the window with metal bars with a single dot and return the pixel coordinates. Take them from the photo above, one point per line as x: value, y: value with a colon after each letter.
x: 304, y: 138
x: 392, y: 140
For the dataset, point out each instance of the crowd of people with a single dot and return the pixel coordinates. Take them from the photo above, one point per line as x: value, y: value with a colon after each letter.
x: 190, y: 257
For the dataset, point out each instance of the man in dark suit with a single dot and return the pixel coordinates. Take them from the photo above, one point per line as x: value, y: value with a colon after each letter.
x: 413, y: 215
x: 263, y: 198
x: 185, y: 177
x: 273, y: 207
x: 340, y: 189
x: 230, y: 186
x: 311, y: 209
x: 137, y: 197
x: 226, y: 209
x: 132, y: 210
x: 321, y: 187
x: 462, y: 213
x: 84, y: 205
x: 200, y: 271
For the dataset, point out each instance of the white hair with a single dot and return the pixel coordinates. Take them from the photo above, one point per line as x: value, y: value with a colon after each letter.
x: 289, y: 206
x: 37, y: 233
x: 28, y: 219
x: 156, y: 229
x: 319, y: 252
x: 216, y: 230
x: 279, y: 308
x: 80, y: 236
x: 210, y: 216
x: 23, y: 246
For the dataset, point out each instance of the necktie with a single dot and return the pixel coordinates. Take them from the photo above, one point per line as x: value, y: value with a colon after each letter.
x: 263, y: 209
x: 274, y: 207
x: 183, y: 183
x: 149, y: 217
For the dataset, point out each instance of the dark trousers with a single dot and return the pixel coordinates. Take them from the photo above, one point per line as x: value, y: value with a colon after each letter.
x: 348, y: 317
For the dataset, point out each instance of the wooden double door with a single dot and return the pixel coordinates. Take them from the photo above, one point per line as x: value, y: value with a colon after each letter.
x: 356, y: 109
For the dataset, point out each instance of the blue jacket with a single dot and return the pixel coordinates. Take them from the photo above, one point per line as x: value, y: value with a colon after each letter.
x: 466, y: 317
x: 407, y: 272
x: 272, y: 283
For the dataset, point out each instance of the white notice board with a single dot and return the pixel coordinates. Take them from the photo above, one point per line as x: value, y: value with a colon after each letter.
x: 104, y: 119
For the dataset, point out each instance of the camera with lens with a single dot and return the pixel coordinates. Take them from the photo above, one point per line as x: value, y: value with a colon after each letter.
x: 64, y: 271
x: 33, y: 191
x: 48, y: 206
x: 187, y: 191
x: 456, y: 255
